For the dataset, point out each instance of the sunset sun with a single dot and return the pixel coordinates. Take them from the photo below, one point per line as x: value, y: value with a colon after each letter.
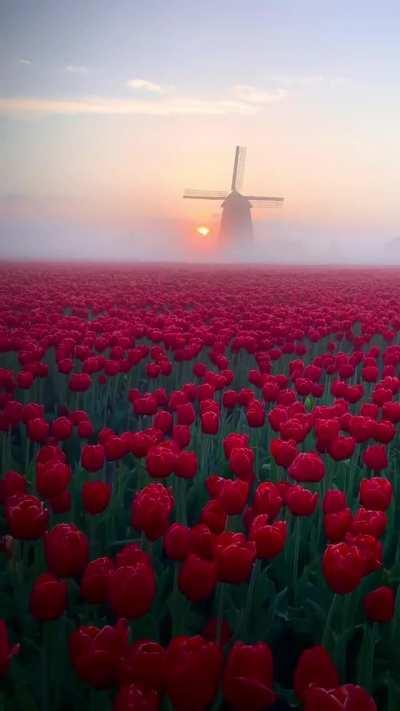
x: 203, y: 231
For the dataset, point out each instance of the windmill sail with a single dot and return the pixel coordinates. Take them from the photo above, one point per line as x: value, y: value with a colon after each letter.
x: 238, y: 168
x: 205, y: 194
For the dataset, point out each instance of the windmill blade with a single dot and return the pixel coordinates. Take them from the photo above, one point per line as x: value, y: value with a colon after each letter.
x: 205, y: 194
x: 238, y: 168
x: 261, y: 201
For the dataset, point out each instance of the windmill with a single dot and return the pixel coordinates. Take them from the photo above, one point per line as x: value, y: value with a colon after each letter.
x: 236, y: 226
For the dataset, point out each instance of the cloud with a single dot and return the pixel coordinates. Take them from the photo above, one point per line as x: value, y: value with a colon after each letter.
x: 175, y: 106
x: 144, y: 85
x: 252, y: 95
x: 76, y: 69
x: 25, y: 61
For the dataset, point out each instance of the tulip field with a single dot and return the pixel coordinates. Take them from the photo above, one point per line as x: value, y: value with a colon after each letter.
x: 200, y: 488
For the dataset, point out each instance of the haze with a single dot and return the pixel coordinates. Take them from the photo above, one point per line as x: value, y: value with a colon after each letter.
x: 108, y: 111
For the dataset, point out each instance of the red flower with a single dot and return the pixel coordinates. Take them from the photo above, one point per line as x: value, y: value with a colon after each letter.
x: 314, y: 668
x: 48, y: 597
x: 144, y: 662
x: 93, y: 457
x: 343, y: 567
x: 283, y: 451
x: 160, y: 461
x: 95, y: 580
x: 232, y: 440
x: 334, y: 500
x: 233, y: 495
x: 248, y: 677
x: 376, y: 493
x: 52, y: 478
x: 38, y: 429
x: 131, y: 590
x: 337, y: 523
x: 210, y: 422
x: 96, y: 496
x: 95, y: 652
x: 177, y: 542
x: 214, y: 516
x: 151, y: 509
x: 197, y: 578
x: 6, y: 651
x: 192, y: 671
x: 26, y: 516
x: 66, y: 550
x: 79, y: 382
x: 379, y: 604
x: 235, y: 561
x: 61, y: 428
x: 267, y: 499
x: 241, y: 462
x: 186, y: 465
x: 375, y: 457
x: 269, y: 539
x: 307, y: 466
x: 344, y: 698
x: 301, y: 502
x: 341, y: 448
x: 12, y: 483
x: 136, y: 697
x: 369, y: 522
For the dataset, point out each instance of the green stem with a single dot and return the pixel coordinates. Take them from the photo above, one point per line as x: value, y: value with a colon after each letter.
x: 329, y: 619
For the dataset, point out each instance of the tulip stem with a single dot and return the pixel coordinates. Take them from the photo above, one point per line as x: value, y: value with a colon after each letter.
x: 220, y: 612
x: 296, y: 553
x: 328, y: 623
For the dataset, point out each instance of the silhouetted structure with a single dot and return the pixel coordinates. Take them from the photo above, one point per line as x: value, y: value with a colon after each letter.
x: 236, y: 226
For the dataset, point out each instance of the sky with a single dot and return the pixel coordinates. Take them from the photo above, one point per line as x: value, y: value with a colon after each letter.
x: 109, y: 110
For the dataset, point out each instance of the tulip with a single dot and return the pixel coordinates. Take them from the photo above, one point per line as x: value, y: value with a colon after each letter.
x: 143, y: 663
x: 26, y: 516
x: 376, y: 493
x: 343, y: 567
x: 48, y: 597
x: 379, y: 604
x: 177, y: 542
x: 7, y: 652
x: 192, y: 671
x: 52, y: 478
x: 93, y: 457
x: 283, y: 451
x: 136, y: 697
x: 197, y: 578
x: 186, y: 465
x: 344, y: 698
x: 267, y: 499
x: 66, y: 550
x: 151, y: 509
x: 248, y: 675
x: 301, y: 502
x: 241, y: 462
x: 95, y: 580
x: 314, y: 668
x: 96, y: 496
x: 131, y: 590
x: 269, y: 538
x: 307, y: 466
x: 235, y: 562
x: 160, y: 461
x: 95, y: 652
x: 375, y: 457
x: 12, y: 483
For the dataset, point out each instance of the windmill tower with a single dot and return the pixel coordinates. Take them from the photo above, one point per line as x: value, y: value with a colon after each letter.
x: 236, y: 227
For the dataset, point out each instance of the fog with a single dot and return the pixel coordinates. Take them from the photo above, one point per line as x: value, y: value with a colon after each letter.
x: 275, y: 241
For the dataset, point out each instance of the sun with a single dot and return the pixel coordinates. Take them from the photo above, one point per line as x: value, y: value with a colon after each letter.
x: 203, y: 230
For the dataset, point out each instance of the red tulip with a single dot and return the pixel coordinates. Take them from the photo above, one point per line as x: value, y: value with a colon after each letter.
x: 375, y: 457
x: 379, y: 604
x: 66, y: 550
x: 248, y: 677
x: 197, y: 578
x: 131, y: 590
x: 7, y: 652
x: 96, y: 496
x: 301, y: 502
x: 93, y: 457
x: 144, y: 663
x: 95, y: 652
x: 307, y: 466
x: 314, y: 668
x: 177, y: 542
x: 344, y: 698
x: 376, y: 493
x: 136, y: 697
x: 192, y: 672
x: 343, y: 567
x: 95, y: 580
x: 26, y: 516
x: 151, y: 509
x: 269, y: 539
x: 48, y: 597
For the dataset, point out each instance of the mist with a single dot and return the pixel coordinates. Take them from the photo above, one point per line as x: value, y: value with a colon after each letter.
x: 275, y: 242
